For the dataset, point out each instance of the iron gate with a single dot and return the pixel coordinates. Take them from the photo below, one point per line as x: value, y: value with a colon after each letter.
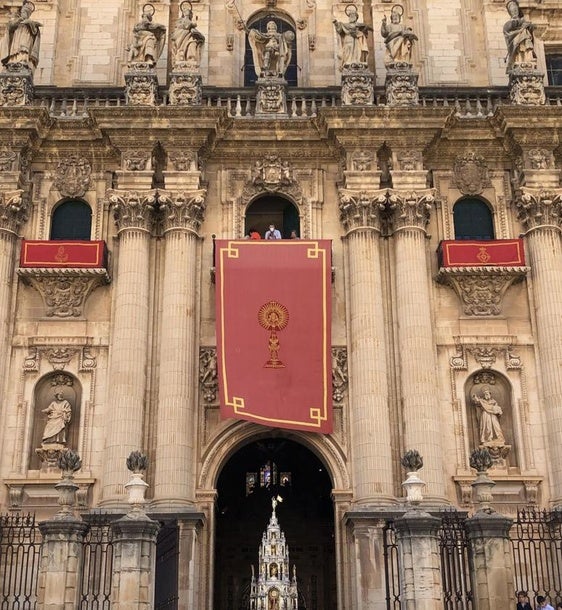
x: 391, y: 567
x: 97, y: 567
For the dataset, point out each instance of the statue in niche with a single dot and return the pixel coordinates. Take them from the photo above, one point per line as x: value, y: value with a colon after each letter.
x: 21, y: 41
x: 489, y: 412
x: 149, y: 39
x: 271, y: 50
x: 353, y: 38
x: 59, y: 414
x: 186, y: 39
x: 519, y: 38
x: 399, y: 40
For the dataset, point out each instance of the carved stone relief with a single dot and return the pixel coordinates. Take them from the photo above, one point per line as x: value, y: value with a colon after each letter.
x: 340, y: 377
x: 208, y: 378
x: 72, y: 176
x: 136, y: 160
x: 470, y: 174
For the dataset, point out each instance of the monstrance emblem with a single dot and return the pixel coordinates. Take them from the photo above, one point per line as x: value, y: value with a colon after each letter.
x: 273, y: 317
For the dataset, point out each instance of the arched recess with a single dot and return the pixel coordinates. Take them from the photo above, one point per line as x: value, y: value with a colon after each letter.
x: 71, y: 219
x: 272, y: 209
x: 259, y: 22
x: 488, y: 396
x: 473, y: 219
x: 44, y: 394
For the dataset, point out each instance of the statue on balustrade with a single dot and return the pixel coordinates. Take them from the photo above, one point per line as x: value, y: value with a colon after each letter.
x: 271, y: 50
x: 353, y: 38
x: 186, y: 40
x: 59, y: 414
x: 519, y: 38
x: 399, y: 40
x: 149, y: 39
x: 22, y: 38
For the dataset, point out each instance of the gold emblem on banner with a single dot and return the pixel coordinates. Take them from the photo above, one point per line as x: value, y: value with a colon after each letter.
x: 483, y: 255
x: 274, y: 317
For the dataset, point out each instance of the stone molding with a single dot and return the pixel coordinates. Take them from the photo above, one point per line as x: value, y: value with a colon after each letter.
x: 14, y: 208
x: 133, y: 209
x: 539, y: 208
x: 182, y: 209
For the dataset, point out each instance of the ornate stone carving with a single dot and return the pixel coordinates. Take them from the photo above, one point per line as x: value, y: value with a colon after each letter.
x: 526, y: 87
x: 16, y: 85
x: 470, y: 174
x: 182, y: 209
x: 531, y: 492
x: 8, y: 160
x: 481, y: 289
x: 398, y: 39
x: 539, y: 158
x: 485, y: 356
x: 87, y: 360
x: 271, y: 173
x: 72, y: 176
x: 410, y: 208
x: 148, y: 40
x: 31, y: 361
x: 409, y: 161
x: 132, y: 209
x: 361, y: 208
x: 13, y: 210
x: 537, y: 207
x: 362, y: 161
x: 401, y: 85
x: 141, y: 88
x: 184, y: 161
x: 186, y: 41
x: 484, y: 377
x: 186, y: 89
x: 271, y: 96
x: 58, y: 358
x: 136, y: 160
x: 64, y: 291
x: 271, y: 51
x: 357, y: 86
x: 354, y: 50
x: 208, y: 379
x: 340, y: 377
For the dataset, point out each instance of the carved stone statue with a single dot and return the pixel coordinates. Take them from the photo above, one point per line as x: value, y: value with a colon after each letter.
x: 271, y: 51
x: 488, y: 417
x: 519, y: 38
x: 21, y: 41
x: 398, y: 39
x: 353, y: 38
x: 149, y: 39
x: 59, y: 414
x: 186, y: 40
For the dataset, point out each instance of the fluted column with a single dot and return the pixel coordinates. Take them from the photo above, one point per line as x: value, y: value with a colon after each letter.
x: 126, y: 385
x: 183, y: 213
x: 540, y: 213
x: 368, y: 411
x: 416, y: 346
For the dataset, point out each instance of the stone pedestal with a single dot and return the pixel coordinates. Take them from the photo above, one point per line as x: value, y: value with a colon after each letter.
x: 16, y: 85
x: 141, y: 85
x: 401, y: 85
x: 61, y: 563
x: 271, y: 96
x: 357, y: 85
x: 134, y: 559
x: 416, y: 534
x: 488, y: 536
x: 185, y: 88
x: 526, y: 86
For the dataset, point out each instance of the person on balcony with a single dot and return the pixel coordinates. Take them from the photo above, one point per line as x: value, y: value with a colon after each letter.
x: 272, y: 233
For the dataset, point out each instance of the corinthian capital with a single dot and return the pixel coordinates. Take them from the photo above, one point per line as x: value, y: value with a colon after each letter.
x: 183, y: 209
x: 410, y: 208
x: 360, y: 209
x: 132, y: 209
x: 13, y: 210
x: 539, y: 207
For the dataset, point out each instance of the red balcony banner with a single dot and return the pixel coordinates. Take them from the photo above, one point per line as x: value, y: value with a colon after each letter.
x: 273, y: 316
x: 59, y: 253
x: 472, y: 253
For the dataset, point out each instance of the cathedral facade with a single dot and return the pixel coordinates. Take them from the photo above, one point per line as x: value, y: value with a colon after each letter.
x: 422, y: 139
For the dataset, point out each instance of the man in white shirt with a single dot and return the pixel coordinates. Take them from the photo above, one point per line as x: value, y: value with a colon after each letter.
x: 272, y: 233
x: 542, y: 604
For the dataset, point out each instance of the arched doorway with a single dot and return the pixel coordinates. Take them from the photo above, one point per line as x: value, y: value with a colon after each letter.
x: 272, y: 209
x: 305, y: 515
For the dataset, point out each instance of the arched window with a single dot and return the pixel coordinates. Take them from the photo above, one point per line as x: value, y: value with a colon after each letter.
x: 260, y: 23
x: 473, y: 219
x: 272, y: 209
x: 72, y: 220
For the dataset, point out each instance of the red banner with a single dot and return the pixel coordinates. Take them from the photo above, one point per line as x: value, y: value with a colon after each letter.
x: 471, y: 253
x: 58, y: 253
x: 273, y: 312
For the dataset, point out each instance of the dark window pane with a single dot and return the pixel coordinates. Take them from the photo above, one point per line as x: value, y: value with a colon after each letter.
x: 554, y: 69
x: 473, y: 220
x: 72, y: 220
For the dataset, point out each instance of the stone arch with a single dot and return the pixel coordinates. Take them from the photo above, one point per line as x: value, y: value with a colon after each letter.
x: 473, y: 218
x: 275, y: 209
x: 243, y: 433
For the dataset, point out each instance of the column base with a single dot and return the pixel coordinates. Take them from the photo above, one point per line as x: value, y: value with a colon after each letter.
x: 401, y: 85
x: 357, y: 85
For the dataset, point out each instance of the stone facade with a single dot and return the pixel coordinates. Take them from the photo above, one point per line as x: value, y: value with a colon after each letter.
x: 413, y: 339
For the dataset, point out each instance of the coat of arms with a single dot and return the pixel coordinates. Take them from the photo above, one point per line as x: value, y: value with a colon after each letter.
x: 72, y: 177
x: 471, y: 174
x: 272, y: 172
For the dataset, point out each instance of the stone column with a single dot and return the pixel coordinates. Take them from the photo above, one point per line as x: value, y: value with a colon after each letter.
x: 183, y: 213
x: 126, y: 385
x: 369, y: 412
x: 190, y: 572
x: 540, y: 212
x: 416, y: 345
x: 420, y: 570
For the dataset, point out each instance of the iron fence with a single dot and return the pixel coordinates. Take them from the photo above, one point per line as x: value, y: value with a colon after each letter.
x: 391, y: 567
x: 97, y: 567
x: 20, y: 551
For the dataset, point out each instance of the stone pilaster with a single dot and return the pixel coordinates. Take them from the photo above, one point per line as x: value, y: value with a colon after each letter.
x: 410, y: 213
x: 190, y: 568
x: 491, y: 552
x: 134, y: 559
x: 61, y: 564
x: 369, y: 413
x: 540, y: 213
x: 129, y: 348
x: 420, y: 570
x: 183, y: 213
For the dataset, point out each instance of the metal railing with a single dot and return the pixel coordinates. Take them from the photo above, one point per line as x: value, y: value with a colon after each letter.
x: 391, y: 567
x: 97, y: 566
